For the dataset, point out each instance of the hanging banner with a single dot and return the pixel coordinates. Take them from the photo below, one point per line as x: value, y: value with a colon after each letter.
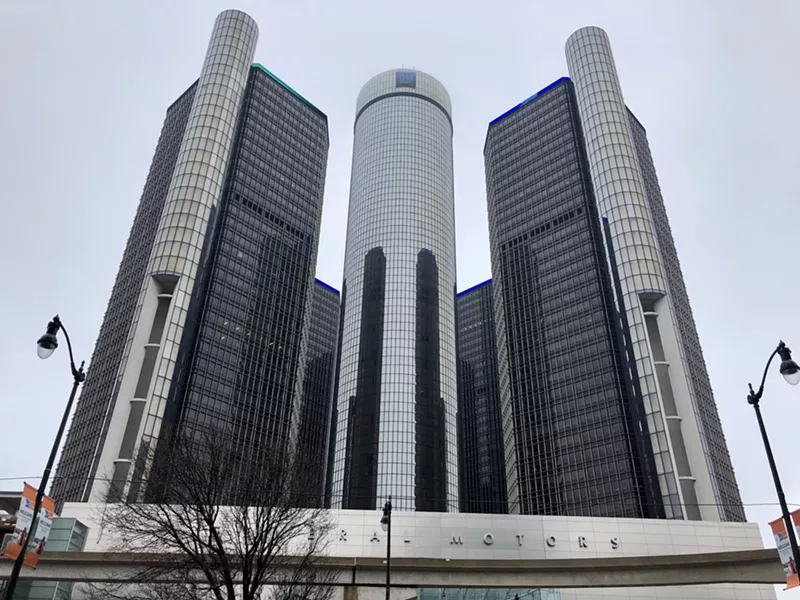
x: 785, y: 551
x: 43, y: 525
x: 24, y: 521
x: 22, y: 532
x: 796, y: 520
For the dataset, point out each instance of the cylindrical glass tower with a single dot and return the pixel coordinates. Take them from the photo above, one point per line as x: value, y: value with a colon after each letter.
x: 396, y: 407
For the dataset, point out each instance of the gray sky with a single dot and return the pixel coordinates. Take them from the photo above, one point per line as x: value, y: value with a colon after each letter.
x: 85, y: 86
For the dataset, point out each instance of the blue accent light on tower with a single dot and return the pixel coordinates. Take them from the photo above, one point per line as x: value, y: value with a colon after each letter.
x: 524, y: 102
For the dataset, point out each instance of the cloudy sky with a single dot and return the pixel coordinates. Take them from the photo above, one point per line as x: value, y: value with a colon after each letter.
x: 85, y: 86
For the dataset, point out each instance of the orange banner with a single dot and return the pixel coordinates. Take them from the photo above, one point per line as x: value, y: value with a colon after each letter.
x: 796, y: 520
x: 22, y: 533
x: 785, y: 550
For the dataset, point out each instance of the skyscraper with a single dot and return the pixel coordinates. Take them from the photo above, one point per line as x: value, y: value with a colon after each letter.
x: 396, y: 407
x: 723, y: 480
x: 481, y: 452
x: 606, y: 403
x: 78, y: 463
x: 218, y: 335
x: 686, y: 434
x: 573, y: 426
x: 318, y: 391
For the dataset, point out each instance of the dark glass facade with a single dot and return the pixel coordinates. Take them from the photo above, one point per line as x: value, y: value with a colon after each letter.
x: 334, y: 408
x: 78, y: 463
x: 482, y: 476
x: 430, y: 474
x: 315, y: 423
x: 573, y: 443
x: 722, y: 474
x: 241, y: 362
x: 363, y: 420
x: 253, y: 334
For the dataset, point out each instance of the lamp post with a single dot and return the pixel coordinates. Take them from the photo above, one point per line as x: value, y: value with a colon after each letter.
x: 791, y: 373
x: 46, y: 345
x: 386, y: 525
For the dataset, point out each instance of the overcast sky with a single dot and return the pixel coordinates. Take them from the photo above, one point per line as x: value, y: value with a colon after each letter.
x: 85, y: 86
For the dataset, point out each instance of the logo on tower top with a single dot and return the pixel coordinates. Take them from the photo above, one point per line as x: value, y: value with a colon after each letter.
x: 405, y: 79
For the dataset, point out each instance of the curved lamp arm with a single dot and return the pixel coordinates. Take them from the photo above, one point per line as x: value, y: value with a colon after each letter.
x: 754, y: 397
x: 77, y: 373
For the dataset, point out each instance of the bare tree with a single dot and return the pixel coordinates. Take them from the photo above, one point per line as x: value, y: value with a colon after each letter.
x: 227, y: 522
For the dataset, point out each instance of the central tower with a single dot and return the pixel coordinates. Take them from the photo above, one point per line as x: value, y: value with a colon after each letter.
x: 395, y: 415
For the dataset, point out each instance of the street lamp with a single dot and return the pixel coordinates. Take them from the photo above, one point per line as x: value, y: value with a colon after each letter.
x: 45, y: 348
x: 791, y: 373
x: 386, y: 525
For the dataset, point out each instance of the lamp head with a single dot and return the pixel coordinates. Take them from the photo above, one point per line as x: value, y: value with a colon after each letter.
x: 48, y: 343
x: 789, y: 368
x: 387, y: 515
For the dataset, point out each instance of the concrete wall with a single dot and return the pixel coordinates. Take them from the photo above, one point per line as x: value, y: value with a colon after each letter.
x: 485, y: 537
